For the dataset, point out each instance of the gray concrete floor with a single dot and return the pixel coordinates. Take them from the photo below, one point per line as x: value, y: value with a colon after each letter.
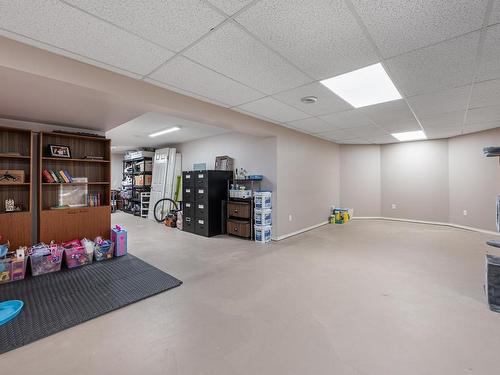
x: 369, y: 297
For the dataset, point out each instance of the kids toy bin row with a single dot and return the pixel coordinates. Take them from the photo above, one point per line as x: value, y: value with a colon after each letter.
x: 45, y: 258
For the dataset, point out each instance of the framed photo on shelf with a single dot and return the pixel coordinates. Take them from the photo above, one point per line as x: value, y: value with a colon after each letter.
x: 59, y: 151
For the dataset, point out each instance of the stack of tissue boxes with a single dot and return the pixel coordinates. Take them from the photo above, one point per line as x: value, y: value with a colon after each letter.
x: 263, y: 216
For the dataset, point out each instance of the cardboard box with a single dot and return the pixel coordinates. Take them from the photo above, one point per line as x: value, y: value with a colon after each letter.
x: 11, y: 176
x: 140, y: 180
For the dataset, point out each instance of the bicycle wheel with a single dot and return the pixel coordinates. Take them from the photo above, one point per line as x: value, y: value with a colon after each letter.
x: 163, y: 208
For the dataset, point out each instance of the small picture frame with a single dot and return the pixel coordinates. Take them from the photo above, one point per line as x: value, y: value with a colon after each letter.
x: 59, y: 151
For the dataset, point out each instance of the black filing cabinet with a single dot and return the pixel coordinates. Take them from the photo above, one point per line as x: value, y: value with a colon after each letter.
x: 204, y: 196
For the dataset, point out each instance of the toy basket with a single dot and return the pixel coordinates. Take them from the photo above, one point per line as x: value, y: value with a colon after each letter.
x: 76, y: 255
x: 45, y: 259
x: 103, y: 251
x: 12, y: 270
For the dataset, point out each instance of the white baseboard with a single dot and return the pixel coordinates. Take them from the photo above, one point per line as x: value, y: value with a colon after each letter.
x: 279, y: 238
x: 429, y: 223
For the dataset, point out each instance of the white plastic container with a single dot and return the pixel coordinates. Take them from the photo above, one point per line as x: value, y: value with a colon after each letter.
x: 263, y: 217
x: 240, y: 194
x: 263, y: 200
x: 263, y: 233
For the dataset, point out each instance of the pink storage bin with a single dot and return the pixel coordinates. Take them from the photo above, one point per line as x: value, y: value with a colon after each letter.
x: 75, y: 254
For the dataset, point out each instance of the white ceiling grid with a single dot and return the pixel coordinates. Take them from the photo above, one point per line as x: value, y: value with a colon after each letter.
x: 260, y: 57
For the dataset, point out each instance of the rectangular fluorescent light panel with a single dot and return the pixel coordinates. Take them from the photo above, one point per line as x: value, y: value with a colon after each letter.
x: 363, y: 87
x: 410, y: 136
x: 170, y: 130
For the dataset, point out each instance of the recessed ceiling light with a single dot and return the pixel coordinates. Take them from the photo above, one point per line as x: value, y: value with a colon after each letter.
x: 410, y: 136
x: 309, y: 99
x: 366, y: 86
x: 169, y: 130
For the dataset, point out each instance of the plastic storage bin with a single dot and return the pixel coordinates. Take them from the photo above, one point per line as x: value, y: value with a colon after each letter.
x: 119, y: 239
x: 12, y: 269
x: 263, y: 200
x: 45, y: 259
x: 263, y: 217
x: 263, y: 233
x: 242, y: 194
x: 103, y: 250
x: 76, y: 255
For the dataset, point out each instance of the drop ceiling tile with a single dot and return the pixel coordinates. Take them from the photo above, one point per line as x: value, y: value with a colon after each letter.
x: 232, y: 52
x: 230, y: 6
x: 443, y: 120
x: 367, y: 132
x: 312, y: 125
x: 327, y: 102
x: 192, y: 77
x: 483, y: 115
x: 68, y: 54
x: 444, y: 65
x: 401, y: 127
x: 490, y: 57
x: 485, y: 93
x: 347, y: 119
x: 173, y: 24
x: 400, y: 26
x: 274, y: 110
x: 495, y: 12
x: 443, y: 132
x: 383, y: 140
x: 390, y: 113
x: 481, y: 127
x: 322, y: 37
x: 443, y: 101
x: 64, y: 27
x: 336, y: 134
x: 354, y: 141
x: 185, y: 92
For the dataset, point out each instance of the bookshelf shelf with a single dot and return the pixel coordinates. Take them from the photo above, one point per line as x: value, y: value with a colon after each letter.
x: 74, y: 183
x: 74, y: 160
x: 20, y: 157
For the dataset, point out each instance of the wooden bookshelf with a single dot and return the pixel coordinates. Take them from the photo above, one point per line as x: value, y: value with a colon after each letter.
x: 76, y: 222
x: 16, y: 153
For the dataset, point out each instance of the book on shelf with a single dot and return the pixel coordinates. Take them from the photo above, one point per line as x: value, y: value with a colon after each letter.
x: 94, y: 199
x: 60, y: 177
x: 47, y: 177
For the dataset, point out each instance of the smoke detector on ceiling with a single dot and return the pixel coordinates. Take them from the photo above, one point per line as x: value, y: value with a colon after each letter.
x: 309, y: 99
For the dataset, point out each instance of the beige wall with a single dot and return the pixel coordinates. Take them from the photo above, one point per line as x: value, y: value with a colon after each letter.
x: 431, y: 180
x: 303, y: 172
x: 474, y: 180
x: 308, y: 181
x: 415, y: 179
x: 360, y: 183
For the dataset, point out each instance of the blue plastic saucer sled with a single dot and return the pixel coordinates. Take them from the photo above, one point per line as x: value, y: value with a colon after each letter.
x: 9, y: 310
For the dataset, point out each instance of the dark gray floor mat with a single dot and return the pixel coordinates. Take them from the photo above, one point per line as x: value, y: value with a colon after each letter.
x: 64, y: 299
